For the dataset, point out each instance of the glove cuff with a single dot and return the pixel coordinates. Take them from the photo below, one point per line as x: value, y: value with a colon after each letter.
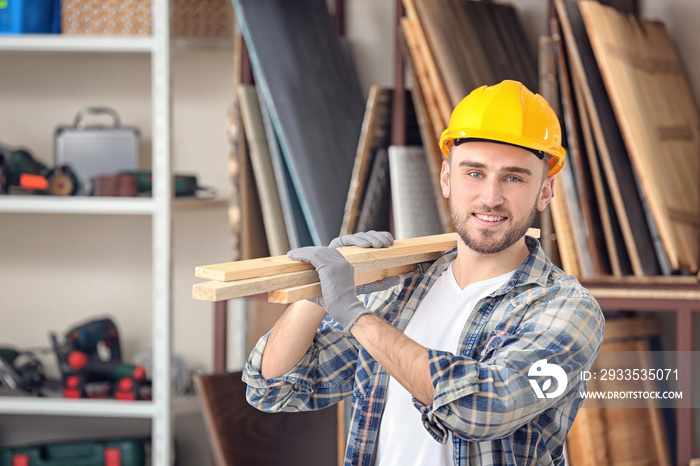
x: 353, y: 313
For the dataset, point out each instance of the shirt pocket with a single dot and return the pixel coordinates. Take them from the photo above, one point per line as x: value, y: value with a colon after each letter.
x: 495, y: 340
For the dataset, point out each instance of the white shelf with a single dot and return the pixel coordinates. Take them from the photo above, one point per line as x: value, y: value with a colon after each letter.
x: 73, y: 407
x: 35, y: 406
x: 190, y: 203
x: 76, y: 205
x: 61, y: 43
x: 20, y: 204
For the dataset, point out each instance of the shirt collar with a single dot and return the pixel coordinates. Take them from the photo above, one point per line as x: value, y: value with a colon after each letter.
x: 535, y: 269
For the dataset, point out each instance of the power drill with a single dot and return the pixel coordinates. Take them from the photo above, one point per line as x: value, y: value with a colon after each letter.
x: 87, y: 375
x: 19, y: 170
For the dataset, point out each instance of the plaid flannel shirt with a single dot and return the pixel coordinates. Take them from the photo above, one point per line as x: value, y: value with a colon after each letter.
x: 482, y: 393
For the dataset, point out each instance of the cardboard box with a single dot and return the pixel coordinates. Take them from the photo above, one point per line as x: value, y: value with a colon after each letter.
x: 106, y: 17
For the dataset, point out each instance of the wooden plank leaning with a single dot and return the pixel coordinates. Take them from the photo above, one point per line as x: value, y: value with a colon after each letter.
x: 245, y: 278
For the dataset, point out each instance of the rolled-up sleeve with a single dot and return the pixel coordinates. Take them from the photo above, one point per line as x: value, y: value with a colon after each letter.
x: 491, y: 398
x: 323, y: 377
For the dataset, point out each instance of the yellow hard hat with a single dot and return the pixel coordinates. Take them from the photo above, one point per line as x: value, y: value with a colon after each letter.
x: 510, y: 113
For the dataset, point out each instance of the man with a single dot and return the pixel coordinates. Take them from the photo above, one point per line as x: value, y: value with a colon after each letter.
x: 443, y: 367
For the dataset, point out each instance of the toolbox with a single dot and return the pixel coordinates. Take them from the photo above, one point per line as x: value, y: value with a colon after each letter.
x: 96, y: 150
x: 133, y: 452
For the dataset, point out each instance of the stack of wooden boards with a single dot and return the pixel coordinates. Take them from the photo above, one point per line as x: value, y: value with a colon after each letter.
x: 370, y: 197
x: 628, y: 432
x: 298, y: 182
x: 286, y: 280
x: 452, y: 47
x: 627, y: 203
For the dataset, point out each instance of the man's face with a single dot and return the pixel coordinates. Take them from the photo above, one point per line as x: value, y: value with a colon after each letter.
x: 494, y: 193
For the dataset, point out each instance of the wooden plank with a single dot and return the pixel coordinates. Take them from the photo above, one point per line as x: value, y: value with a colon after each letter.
x: 588, y: 202
x: 610, y: 435
x: 430, y: 141
x: 245, y: 278
x: 618, y: 171
x: 453, y: 63
x: 428, y: 59
x: 275, y: 229
x: 560, y: 205
x: 565, y: 188
x: 659, y: 141
x: 438, y: 124
x: 496, y: 42
x: 230, y: 271
x: 614, y: 241
x: 220, y: 291
x: 517, y: 43
x: 375, y: 213
x: 313, y: 93
x: 631, y: 328
x: 297, y: 229
x: 368, y: 203
x: 253, y: 243
x: 375, y: 133
x: 297, y: 293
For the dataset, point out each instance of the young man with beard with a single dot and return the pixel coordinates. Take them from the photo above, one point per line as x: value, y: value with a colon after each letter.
x: 443, y: 366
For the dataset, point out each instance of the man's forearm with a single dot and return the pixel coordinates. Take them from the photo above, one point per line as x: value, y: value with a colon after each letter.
x: 403, y: 358
x: 290, y: 338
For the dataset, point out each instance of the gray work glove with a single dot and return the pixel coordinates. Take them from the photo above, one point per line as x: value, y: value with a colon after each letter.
x: 337, y: 278
x: 369, y: 239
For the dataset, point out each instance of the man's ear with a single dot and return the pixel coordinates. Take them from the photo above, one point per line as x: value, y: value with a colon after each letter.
x: 445, y: 178
x: 546, y: 193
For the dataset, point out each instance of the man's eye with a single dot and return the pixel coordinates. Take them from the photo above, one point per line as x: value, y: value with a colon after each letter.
x: 513, y: 179
x: 474, y: 174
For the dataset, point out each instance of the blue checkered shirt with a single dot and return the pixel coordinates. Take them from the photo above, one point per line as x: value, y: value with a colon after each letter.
x: 483, y: 394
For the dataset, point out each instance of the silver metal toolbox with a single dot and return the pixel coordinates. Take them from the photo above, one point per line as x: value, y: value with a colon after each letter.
x: 96, y: 150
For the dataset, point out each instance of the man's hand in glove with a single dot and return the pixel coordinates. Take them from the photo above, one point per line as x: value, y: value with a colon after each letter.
x: 369, y: 239
x: 337, y: 278
x: 337, y: 275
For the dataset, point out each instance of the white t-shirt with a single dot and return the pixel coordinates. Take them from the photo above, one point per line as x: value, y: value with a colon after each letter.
x: 437, y: 324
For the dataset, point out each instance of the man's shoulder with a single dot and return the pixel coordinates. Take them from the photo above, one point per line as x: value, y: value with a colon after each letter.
x: 555, y: 285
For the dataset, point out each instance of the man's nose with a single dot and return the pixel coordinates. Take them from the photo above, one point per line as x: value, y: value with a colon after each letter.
x: 493, y: 194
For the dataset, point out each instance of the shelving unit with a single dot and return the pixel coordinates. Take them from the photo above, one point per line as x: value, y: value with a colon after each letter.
x: 161, y: 410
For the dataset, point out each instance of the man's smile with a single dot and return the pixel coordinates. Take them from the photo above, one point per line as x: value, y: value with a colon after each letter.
x: 489, y: 217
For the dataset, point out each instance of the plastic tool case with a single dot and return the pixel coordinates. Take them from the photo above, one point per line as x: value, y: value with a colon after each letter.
x: 97, y: 150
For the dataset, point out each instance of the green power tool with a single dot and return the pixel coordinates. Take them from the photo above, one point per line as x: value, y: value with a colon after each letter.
x: 20, y: 172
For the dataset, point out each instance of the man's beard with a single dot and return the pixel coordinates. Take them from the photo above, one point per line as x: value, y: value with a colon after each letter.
x: 489, y: 243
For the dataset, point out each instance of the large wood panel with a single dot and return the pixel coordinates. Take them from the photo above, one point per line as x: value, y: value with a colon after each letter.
x: 275, y: 229
x: 595, y: 214
x: 629, y: 206
x: 621, y: 433
x: 375, y: 134
x: 311, y: 88
x: 650, y: 96
x: 242, y: 435
x: 297, y: 228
